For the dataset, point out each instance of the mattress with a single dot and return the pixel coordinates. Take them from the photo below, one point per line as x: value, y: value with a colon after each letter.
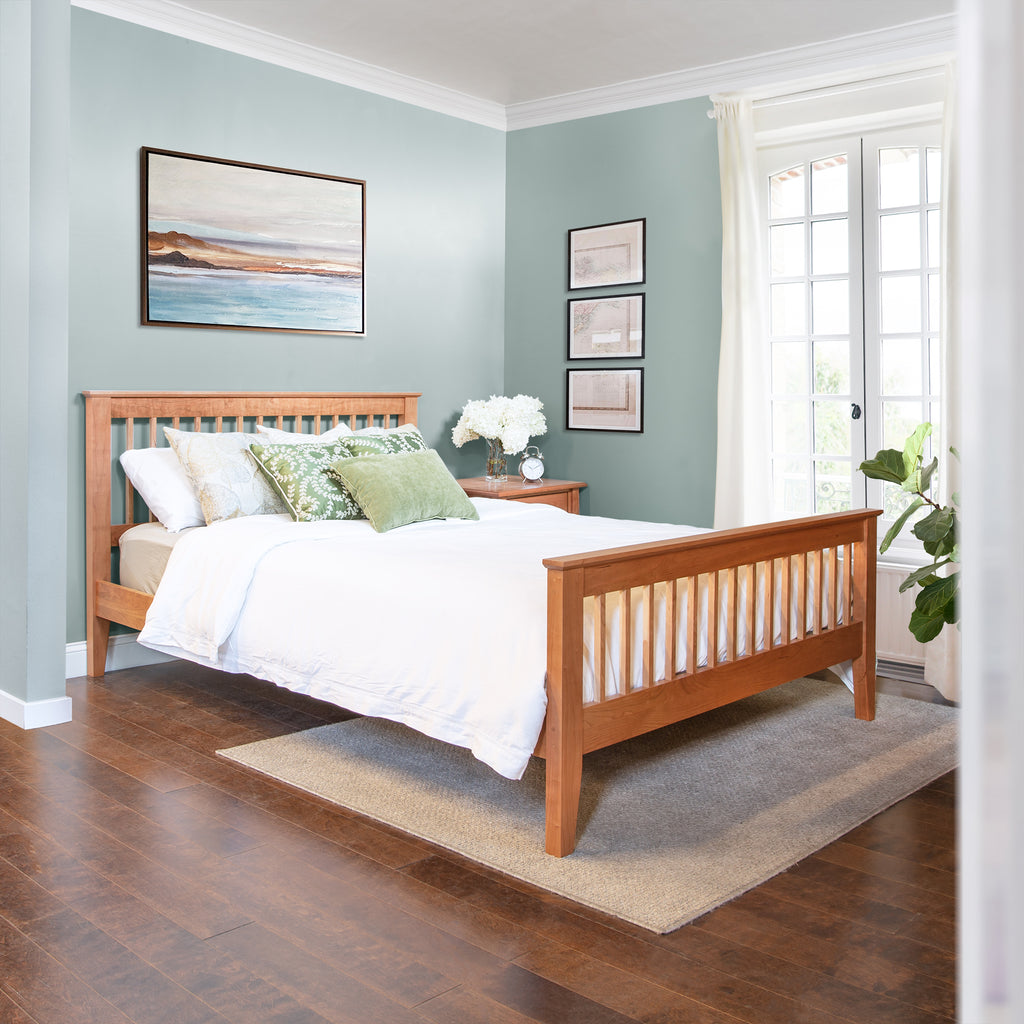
x: 145, y: 550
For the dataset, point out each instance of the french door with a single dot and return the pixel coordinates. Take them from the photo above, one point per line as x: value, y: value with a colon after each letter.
x: 853, y: 263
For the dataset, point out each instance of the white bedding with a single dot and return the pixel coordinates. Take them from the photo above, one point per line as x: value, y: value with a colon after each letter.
x: 440, y: 625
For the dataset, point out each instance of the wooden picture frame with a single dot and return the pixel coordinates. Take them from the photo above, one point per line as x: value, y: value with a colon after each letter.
x: 608, y: 254
x: 605, y: 399
x: 239, y: 246
x: 607, y: 327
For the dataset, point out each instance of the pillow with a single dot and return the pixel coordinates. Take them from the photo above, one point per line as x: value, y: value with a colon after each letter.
x: 395, y: 490
x: 298, y: 474
x: 164, y: 486
x: 405, y: 428
x: 225, y: 476
x: 391, y: 443
x: 273, y: 435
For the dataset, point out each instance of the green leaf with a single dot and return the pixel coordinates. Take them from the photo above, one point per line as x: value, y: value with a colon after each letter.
x: 894, y: 530
x: 933, y: 598
x: 925, y: 627
x: 921, y: 575
x: 935, y: 526
x: 913, y: 450
x: 926, y: 474
x: 886, y: 465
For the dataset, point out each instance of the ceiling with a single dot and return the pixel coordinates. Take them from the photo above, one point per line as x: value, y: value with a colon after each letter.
x: 517, y: 51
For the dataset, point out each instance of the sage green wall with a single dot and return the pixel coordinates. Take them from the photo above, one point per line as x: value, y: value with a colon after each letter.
x: 658, y: 162
x: 435, y: 236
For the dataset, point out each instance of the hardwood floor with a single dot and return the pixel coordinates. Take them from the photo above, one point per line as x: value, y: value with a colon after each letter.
x: 144, y: 879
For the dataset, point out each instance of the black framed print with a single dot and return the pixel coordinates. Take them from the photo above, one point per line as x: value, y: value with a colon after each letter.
x: 605, y: 400
x: 249, y: 247
x: 611, y: 327
x: 608, y: 254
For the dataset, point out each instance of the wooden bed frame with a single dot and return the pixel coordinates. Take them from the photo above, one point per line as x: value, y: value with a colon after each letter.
x: 822, y: 568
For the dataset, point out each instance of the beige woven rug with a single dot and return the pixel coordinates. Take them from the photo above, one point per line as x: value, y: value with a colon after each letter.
x: 671, y: 824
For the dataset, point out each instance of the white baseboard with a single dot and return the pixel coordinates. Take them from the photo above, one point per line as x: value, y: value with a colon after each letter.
x: 123, y: 651
x: 34, y: 714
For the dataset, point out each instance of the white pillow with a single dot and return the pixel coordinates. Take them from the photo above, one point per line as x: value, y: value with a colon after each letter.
x: 405, y: 428
x: 227, y: 479
x: 159, y: 478
x: 274, y: 435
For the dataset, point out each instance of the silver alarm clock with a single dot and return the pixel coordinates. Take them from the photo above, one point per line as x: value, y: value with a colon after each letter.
x: 531, y: 466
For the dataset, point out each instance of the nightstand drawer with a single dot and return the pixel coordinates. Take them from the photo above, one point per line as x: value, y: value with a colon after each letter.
x: 563, y: 494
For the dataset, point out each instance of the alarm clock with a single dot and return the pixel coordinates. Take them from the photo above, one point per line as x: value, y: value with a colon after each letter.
x: 531, y: 466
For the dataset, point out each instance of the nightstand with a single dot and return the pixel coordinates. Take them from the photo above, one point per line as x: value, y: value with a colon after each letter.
x: 563, y: 494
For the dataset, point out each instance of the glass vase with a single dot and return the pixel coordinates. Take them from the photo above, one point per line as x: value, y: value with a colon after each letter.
x: 497, y: 460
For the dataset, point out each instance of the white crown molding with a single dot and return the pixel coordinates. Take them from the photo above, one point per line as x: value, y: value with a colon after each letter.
x: 165, y: 16
x: 905, y: 42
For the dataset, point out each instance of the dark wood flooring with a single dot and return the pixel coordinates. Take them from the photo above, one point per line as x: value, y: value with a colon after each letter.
x: 143, y: 879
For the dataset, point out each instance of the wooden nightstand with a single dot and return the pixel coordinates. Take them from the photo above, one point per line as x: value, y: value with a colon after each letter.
x: 560, y: 493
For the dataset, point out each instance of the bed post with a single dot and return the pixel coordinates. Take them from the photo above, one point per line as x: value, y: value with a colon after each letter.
x: 864, y: 570
x: 97, y: 526
x: 563, y: 730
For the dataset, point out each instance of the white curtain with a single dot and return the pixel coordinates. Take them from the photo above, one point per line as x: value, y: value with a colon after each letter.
x: 742, y: 476
x: 942, y: 655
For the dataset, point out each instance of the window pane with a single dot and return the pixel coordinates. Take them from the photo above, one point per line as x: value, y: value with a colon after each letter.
x: 901, y: 305
x: 934, y: 238
x: 901, y: 367
x: 787, y: 247
x: 829, y: 189
x: 899, y: 241
x: 832, y: 486
x: 832, y: 367
x: 831, y: 307
x: 934, y: 302
x: 787, y: 193
x: 792, y: 486
x: 899, y: 182
x: 789, y: 367
x: 830, y: 247
x: 933, y: 170
x: 790, y: 429
x: 934, y: 369
x: 831, y: 428
x: 899, y: 421
x: 789, y: 310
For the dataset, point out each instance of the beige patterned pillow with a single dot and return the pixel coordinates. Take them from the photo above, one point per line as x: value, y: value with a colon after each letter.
x: 227, y: 480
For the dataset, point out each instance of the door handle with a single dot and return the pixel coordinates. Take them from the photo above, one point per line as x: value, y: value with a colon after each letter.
x: 854, y: 411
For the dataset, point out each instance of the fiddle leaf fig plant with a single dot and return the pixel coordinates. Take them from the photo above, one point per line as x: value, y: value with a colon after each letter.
x: 937, y: 601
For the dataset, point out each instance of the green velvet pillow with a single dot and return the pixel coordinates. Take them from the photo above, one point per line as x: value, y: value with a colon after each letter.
x: 395, y: 490
x: 298, y: 473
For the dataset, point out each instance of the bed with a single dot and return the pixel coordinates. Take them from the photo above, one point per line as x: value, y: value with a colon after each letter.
x: 681, y: 624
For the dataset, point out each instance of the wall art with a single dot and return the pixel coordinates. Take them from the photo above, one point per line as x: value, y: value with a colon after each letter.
x: 249, y: 247
x: 605, y: 400
x: 611, y: 327
x: 607, y: 254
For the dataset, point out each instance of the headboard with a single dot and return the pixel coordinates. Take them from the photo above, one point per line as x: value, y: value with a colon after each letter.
x: 118, y: 421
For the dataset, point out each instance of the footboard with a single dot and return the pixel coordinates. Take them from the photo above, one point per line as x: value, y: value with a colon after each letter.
x: 700, y: 622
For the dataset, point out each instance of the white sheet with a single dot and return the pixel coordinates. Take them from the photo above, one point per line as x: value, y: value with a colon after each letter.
x: 440, y: 625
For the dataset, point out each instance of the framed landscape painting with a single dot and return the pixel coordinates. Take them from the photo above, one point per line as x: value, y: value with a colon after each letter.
x: 607, y: 254
x: 605, y: 400
x: 247, y: 247
x: 606, y: 328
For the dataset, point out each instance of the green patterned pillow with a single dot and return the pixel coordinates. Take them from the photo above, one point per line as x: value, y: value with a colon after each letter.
x: 297, y: 474
x: 395, y: 442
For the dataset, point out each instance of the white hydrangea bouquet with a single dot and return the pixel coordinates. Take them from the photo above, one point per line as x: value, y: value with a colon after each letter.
x: 507, y: 424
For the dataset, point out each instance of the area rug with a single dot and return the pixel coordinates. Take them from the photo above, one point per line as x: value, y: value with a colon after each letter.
x: 672, y: 824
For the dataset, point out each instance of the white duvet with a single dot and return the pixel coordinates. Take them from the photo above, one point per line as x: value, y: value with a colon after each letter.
x: 439, y: 625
